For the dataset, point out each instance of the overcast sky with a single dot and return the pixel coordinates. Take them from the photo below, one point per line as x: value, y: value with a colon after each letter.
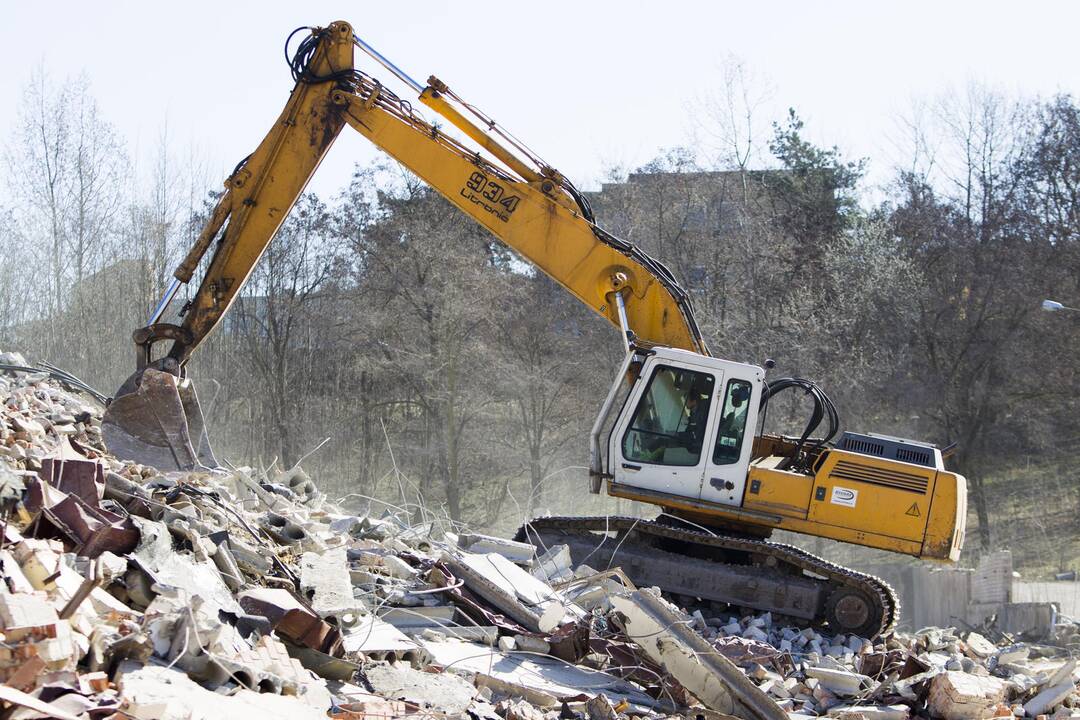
x: 587, y: 84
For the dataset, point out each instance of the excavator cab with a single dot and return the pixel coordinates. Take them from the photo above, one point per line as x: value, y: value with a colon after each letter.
x: 687, y: 427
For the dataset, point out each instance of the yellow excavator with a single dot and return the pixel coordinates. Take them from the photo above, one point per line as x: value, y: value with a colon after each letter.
x: 679, y: 429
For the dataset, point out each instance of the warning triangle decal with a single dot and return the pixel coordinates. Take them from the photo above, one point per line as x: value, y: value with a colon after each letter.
x: 913, y: 511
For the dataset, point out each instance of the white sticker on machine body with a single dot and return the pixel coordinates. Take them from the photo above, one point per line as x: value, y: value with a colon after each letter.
x: 844, y: 496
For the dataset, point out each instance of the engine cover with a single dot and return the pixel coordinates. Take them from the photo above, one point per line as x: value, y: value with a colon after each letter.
x: 891, y: 448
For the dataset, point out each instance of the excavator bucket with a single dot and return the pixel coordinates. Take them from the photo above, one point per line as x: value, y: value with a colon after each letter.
x: 155, y: 419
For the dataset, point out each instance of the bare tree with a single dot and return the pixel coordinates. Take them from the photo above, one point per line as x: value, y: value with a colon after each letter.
x: 278, y: 317
x: 728, y: 116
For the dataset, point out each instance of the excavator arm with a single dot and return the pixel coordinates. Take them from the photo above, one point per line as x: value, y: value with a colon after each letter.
x: 258, y: 197
x: 526, y: 204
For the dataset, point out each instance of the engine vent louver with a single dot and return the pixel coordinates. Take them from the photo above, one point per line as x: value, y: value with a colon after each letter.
x: 918, y: 457
x: 866, y: 447
x: 890, y: 448
x: 854, y: 471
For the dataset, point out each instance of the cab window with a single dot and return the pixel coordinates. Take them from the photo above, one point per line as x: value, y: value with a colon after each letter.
x: 732, y: 425
x: 668, y: 426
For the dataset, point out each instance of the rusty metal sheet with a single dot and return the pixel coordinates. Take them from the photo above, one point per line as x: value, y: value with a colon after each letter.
x: 91, y: 529
x: 68, y: 469
x: 292, y: 619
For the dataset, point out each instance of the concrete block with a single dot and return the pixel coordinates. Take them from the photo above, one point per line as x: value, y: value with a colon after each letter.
x: 398, y: 568
x: 600, y: 708
x: 554, y: 565
x: 962, y: 696
x: 1049, y: 698
x: 516, y: 552
x: 325, y: 578
x: 528, y: 643
x: 433, y: 616
x: 978, y: 646
x: 840, y: 682
x: 378, y: 640
x: 755, y: 633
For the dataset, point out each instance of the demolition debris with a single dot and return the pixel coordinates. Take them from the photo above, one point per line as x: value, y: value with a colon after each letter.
x: 135, y: 593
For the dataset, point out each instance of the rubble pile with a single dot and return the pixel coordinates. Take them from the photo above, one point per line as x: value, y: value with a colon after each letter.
x: 136, y: 593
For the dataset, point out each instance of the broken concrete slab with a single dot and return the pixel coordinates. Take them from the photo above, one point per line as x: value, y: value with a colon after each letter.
x: 840, y: 682
x: 444, y: 692
x: 870, y: 712
x: 160, y: 693
x: 712, y: 678
x: 1009, y: 654
x: 156, y: 556
x: 554, y: 565
x: 548, y: 676
x: 24, y: 700
x: 516, y: 690
x: 1063, y: 674
x: 324, y: 578
x: 433, y: 616
x: 1049, y: 698
x: 375, y: 639
x: 508, y: 587
x: 516, y: 552
x: 486, y: 634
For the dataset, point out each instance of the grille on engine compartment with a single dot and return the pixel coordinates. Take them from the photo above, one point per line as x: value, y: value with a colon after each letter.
x: 890, y: 448
x: 909, y: 482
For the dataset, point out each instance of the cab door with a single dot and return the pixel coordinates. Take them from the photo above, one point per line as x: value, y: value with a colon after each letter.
x: 732, y: 439
x: 660, y: 441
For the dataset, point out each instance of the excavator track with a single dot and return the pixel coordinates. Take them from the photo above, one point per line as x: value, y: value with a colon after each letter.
x: 779, y: 578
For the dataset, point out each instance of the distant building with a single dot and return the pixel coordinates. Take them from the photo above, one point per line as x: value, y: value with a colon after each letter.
x: 707, y: 203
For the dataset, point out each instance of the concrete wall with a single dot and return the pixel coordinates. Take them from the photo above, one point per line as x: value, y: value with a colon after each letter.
x: 1066, y: 595
x: 933, y: 595
x: 929, y: 595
